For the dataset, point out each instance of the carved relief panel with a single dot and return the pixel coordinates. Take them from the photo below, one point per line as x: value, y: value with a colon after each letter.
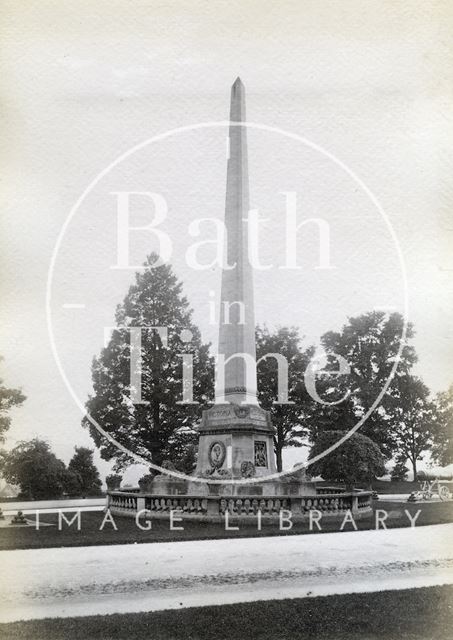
x: 260, y: 453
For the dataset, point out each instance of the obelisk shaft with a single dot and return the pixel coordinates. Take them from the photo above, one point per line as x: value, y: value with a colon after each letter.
x: 237, y: 320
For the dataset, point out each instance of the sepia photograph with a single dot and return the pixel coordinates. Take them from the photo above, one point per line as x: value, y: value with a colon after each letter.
x: 226, y: 382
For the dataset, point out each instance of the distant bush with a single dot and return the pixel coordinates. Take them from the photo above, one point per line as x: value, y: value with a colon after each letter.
x: 399, y: 472
x: 84, y: 477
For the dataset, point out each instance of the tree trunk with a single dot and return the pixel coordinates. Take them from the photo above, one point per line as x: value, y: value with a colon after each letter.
x: 155, y: 443
x: 278, y: 456
x: 414, y: 468
x: 279, y: 442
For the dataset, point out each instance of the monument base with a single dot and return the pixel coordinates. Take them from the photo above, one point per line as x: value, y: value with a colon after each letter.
x: 239, y: 507
x: 233, y: 476
x: 286, y: 486
x: 235, y: 442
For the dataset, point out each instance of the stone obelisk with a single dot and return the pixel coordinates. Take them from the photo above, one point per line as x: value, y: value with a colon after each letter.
x: 236, y: 434
x: 237, y: 321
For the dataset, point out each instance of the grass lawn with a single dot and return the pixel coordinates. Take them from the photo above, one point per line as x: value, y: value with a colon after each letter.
x: 128, y: 532
x: 411, y: 614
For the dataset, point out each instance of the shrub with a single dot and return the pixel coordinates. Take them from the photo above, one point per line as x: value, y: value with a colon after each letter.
x: 358, y: 459
x: 113, y: 481
x: 399, y: 472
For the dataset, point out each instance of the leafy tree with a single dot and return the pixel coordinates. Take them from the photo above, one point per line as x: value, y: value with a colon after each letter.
x: 82, y: 465
x: 414, y: 420
x: 8, y: 399
x: 369, y: 343
x: 3, y: 459
x: 289, y: 420
x: 442, y: 450
x: 358, y: 459
x: 155, y: 300
x: 38, y: 472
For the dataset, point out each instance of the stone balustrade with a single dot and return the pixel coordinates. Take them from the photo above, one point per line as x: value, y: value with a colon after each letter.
x: 122, y: 503
x: 214, y: 507
x: 364, y: 501
x: 185, y: 504
x: 323, y: 489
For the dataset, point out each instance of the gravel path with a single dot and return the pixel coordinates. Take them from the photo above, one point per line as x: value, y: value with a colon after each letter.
x: 146, y: 577
x: 50, y: 506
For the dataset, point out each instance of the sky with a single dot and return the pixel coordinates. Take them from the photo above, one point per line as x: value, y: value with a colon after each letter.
x: 361, y: 86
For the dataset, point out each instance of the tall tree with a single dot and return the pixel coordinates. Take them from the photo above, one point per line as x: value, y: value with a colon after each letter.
x: 414, y: 416
x: 38, y: 472
x: 358, y: 459
x: 442, y: 450
x: 289, y: 420
x: 155, y: 300
x: 369, y: 343
x: 82, y: 465
x: 8, y: 399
